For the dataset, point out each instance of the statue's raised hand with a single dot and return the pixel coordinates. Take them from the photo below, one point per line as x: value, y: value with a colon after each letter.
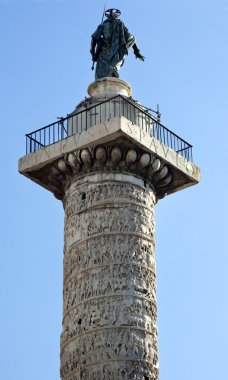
x: 140, y: 56
x: 137, y: 53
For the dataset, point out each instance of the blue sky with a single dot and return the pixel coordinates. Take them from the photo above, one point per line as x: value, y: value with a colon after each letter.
x: 45, y: 69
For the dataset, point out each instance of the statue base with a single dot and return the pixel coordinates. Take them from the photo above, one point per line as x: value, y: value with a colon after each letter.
x: 108, y: 87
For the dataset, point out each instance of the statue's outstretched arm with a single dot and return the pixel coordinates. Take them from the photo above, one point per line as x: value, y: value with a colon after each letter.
x: 137, y: 52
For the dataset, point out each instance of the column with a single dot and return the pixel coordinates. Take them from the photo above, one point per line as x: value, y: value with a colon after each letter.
x: 109, y: 296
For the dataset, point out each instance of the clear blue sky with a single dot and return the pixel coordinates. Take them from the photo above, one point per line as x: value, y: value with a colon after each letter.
x: 45, y: 69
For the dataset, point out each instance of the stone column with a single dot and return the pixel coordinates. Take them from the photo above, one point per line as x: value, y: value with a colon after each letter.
x: 109, y: 172
x: 109, y: 297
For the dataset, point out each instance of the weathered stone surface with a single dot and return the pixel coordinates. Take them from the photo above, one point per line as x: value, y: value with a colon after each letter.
x: 108, y: 87
x: 109, y: 298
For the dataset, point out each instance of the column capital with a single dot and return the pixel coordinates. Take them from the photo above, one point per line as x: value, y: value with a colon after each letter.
x: 116, y: 145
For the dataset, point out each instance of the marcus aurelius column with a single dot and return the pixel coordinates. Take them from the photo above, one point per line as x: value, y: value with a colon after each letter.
x: 109, y: 315
x: 109, y: 173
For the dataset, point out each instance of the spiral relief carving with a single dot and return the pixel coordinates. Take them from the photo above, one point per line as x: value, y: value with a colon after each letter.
x: 109, y: 297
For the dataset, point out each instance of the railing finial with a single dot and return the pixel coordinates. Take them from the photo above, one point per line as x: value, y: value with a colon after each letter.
x: 159, y: 114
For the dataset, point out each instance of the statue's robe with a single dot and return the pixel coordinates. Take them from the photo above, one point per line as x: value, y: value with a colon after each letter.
x: 113, y: 42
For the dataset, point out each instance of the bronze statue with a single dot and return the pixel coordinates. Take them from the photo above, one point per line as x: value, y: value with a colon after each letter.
x: 110, y: 44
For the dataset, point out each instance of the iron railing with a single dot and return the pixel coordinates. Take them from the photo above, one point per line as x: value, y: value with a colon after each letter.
x: 99, y: 113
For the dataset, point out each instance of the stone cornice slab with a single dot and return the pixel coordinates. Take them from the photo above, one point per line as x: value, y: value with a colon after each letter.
x: 58, y: 162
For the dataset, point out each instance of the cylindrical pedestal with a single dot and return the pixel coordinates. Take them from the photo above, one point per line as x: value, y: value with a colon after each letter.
x: 109, y: 296
x: 109, y: 87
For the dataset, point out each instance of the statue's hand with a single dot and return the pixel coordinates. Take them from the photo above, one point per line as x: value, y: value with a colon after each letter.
x: 137, y: 53
x: 140, y: 56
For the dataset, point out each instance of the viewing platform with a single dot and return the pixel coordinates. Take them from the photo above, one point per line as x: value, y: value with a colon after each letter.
x: 90, y: 115
x: 107, y: 121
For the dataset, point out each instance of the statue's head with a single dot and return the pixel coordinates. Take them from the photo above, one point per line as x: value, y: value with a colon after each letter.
x: 112, y: 13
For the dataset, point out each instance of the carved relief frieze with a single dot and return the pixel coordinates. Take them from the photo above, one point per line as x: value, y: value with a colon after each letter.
x: 107, y: 250
x: 110, y: 280
x: 132, y: 311
x: 128, y: 370
x: 123, y: 345
x: 94, y: 195
x: 107, y: 220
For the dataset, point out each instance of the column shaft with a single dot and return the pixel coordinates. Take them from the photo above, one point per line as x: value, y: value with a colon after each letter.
x: 109, y: 296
